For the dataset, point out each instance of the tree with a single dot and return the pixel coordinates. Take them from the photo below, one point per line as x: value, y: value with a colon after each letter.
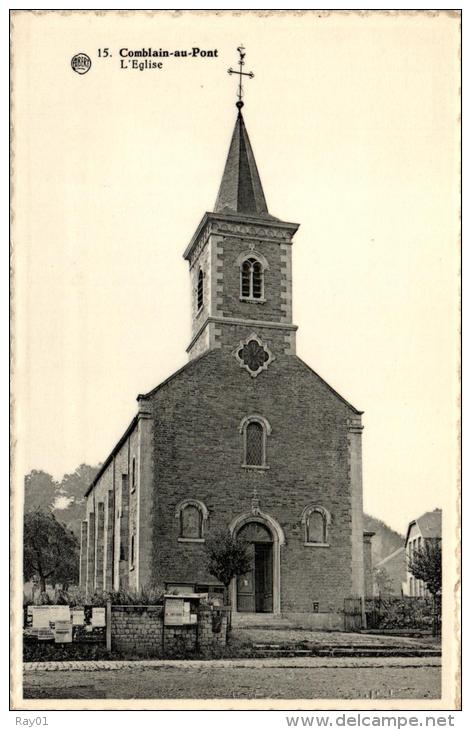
x: 50, y: 551
x: 227, y: 557
x: 383, y: 581
x: 426, y: 564
x: 41, y: 490
x: 70, y: 505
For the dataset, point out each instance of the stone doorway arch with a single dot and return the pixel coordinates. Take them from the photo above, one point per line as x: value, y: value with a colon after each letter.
x: 276, y: 539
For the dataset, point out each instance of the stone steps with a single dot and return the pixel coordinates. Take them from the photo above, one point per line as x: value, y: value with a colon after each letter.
x: 260, y: 621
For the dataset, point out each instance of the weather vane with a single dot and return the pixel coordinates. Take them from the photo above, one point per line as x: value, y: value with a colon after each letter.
x: 240, y: 73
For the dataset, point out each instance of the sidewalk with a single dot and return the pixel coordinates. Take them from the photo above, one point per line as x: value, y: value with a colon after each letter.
x: 286, y: 662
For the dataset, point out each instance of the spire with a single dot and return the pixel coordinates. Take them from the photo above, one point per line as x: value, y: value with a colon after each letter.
x: 241, y: 189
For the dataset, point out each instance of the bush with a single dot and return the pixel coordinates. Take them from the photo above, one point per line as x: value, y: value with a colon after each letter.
x: 153, y: 596
x: 48, y: 651
x: 393, y: 612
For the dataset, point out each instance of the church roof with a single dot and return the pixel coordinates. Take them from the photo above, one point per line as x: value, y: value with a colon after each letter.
x: 401, y: 551
x: 429, y: 524
x: 241, y: 188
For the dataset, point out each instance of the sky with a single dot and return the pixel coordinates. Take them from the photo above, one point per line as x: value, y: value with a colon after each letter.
x: 353, y: 119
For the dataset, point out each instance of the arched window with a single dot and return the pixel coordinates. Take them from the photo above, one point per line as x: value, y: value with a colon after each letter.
x: 316, y: 527
x: 200, y: 290
x: 191, y: 522
x: 254, y: 444
x: 251, y: 279
x: 192, y: 516
x: 254, y: 430
x: 316, y: 521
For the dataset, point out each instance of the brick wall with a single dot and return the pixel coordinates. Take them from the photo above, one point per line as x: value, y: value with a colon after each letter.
x: 140, y: 630
x: 137, y: 629
x: 368, y: 564
x: 219, y: 259
x: 189, y: 445
x: 100, y: 547
x: 212, y: 627
x: 83, y: 555
x: 113, y: 509
x: 90, y: 583
x: 198, y: 454
x: 109, y: 547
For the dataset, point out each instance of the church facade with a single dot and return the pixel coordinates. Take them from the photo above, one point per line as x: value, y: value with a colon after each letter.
x: 245, y: 437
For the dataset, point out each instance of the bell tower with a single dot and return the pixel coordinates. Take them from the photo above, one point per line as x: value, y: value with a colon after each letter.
x: 240, y: 260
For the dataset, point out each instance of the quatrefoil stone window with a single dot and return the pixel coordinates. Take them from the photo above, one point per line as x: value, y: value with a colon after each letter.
x: 253, y: 355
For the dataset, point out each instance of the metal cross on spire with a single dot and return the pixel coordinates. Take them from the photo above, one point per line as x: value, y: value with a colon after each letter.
x: 241, y: 73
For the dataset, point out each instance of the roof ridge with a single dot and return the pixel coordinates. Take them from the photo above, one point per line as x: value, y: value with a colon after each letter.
x: 335, y: 392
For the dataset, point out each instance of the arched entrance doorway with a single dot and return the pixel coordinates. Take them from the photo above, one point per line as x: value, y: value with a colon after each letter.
x: 255, y: 588
x: 257, y: 517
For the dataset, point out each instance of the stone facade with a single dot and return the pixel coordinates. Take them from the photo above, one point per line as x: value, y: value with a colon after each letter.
x: 187, y: 442
x: 391, y: 574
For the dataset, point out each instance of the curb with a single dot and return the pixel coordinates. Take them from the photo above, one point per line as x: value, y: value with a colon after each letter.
x: 258, y: 663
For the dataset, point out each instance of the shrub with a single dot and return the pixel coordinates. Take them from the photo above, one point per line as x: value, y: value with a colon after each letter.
x: 152, y: 596
x: 399, y: 613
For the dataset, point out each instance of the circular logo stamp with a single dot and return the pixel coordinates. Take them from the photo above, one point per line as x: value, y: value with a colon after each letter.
x: 81, y: 63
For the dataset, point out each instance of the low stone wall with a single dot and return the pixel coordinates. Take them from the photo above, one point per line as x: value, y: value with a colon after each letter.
x: 141, y: 630
x: 212, y: 627
x: 180, y: 641
x: 137, y: 629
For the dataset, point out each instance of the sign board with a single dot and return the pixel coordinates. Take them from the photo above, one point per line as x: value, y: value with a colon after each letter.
x: 43, y: 616
x: 98, y: 616
x: 59, y: 613
x: 174, y: 611
x: 78, y: 616
x: 64, y: 624
x: 45, y: 634
x: 63, y: 632
x: 40, y: 617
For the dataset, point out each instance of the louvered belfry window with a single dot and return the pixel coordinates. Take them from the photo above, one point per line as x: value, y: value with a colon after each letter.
x: 254, y: 444
x: 199, y: 295
x: 251, y: 279
x: 257, y: 280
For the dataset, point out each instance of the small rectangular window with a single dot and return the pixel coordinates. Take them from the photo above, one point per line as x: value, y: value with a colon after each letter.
x: 200, y: 291
x: 132, y: 551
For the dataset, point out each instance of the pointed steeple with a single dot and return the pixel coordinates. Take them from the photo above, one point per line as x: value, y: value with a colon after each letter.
x: 241, y: 189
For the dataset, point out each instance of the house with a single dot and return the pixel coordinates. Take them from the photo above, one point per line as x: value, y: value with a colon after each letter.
x: 424, y: 528
x: 390, y: 574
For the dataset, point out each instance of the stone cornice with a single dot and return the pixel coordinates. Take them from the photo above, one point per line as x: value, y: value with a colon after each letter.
x: 245, y: 322
x: 269, y: 229
x: 354, y: 425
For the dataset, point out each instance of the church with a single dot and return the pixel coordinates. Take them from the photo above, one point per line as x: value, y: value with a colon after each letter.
x: 245, y: 436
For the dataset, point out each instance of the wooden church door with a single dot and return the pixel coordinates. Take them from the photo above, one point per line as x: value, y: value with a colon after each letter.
x: 255, y: 588
x: 264, y: 577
